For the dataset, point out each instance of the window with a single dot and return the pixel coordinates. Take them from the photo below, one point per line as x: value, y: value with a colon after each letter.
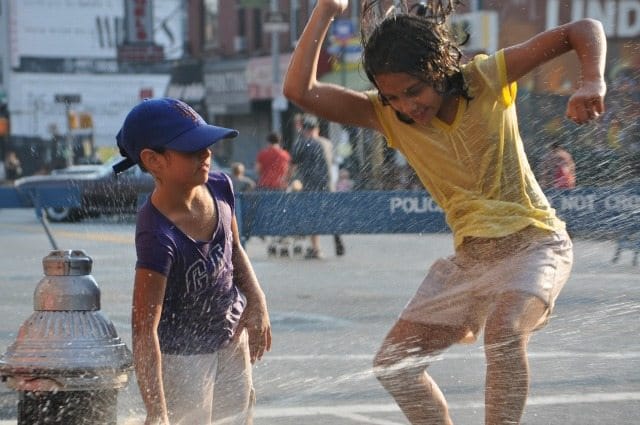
x: 257, y: 29
x: 210, y: 24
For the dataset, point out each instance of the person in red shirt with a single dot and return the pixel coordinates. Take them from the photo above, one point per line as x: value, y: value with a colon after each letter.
x: 273, y: 168
x: 272, y: 165
x: 557, y: 170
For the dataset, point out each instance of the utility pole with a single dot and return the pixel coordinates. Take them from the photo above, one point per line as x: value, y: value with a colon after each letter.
x: 276, y: 23
x: 275, y: 56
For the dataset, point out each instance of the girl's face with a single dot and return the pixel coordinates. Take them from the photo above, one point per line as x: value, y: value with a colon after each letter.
x: 410, y: 96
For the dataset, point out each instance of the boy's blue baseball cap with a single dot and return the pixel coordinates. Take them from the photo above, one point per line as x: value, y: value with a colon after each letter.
x: 165, y: 123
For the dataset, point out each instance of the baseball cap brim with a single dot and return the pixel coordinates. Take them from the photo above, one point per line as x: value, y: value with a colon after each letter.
x: 193, y: 140
x: 199, y: 138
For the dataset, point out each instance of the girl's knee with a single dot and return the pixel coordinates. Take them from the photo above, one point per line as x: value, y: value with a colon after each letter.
x: 394, y: 364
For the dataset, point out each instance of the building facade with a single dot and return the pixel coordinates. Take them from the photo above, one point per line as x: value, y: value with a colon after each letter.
x: 67, y: 83
x: 243, y: 48
x: 227, y: 58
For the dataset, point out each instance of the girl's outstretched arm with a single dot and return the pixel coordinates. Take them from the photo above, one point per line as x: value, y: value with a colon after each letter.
x: 587, y: 38
x: 329, y: 101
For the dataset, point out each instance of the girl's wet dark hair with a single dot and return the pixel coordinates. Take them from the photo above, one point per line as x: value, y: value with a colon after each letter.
x: 417, y: 45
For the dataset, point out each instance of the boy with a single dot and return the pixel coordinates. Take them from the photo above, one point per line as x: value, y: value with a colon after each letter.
x: 199, y: 316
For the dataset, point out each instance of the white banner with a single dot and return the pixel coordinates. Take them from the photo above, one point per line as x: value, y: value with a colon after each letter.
x: 84, y: 28
x: 107, y: 97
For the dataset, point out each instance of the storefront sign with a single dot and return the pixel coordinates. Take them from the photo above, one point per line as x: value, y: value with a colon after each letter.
x: 260, y: 81
x: 226, y: 88
x: 620, y: 18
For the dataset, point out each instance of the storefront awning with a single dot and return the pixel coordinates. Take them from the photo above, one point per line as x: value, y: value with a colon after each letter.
x: 186, y: 83
x: 353, y: 79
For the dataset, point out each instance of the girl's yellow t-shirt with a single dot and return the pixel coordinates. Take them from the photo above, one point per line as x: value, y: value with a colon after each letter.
x: 476, y: 168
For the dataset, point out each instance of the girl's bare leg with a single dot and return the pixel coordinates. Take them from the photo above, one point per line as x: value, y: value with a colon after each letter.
x: 400, y: 366
x: 507, y: 333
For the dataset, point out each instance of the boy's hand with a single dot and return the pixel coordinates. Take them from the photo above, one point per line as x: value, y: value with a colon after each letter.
x: 256, y: 320
x: 587, y: 103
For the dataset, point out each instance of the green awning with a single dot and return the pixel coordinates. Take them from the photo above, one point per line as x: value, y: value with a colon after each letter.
x: 355, y: 80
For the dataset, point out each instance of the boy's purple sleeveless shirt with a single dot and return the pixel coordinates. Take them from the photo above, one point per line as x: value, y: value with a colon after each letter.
x: 201, y: 305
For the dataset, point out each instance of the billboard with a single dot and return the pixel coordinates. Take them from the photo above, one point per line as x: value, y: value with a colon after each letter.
x: 86, y: 29
x: 106, y: 97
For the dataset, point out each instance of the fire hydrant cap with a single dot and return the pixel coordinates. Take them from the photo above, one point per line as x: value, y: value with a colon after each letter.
x: 67, y: 284
x: 67, y: 263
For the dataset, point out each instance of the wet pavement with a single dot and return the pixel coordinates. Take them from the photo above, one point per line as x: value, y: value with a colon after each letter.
x: 330, y: 315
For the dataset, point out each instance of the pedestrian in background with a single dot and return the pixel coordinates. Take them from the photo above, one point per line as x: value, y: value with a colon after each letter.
x: 241, y: 182
x: 557, y: 170
x: 312, y: 157
x: 457, y: 126
x: 199, y: 316
x: 629, y: 137
x: 344, y: 182
x: 12, y: 166
x: 273, y: 165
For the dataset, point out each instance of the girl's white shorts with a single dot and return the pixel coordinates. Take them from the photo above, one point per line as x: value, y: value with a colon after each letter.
x: 460, y: 290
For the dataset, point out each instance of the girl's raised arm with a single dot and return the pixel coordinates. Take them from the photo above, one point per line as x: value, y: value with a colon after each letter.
x: 329, y: 101
x: 587, y: 38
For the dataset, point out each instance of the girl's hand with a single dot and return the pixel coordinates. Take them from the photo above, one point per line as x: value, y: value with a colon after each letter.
x: 587, y: 103
x: 154, y: 420
x: 338, y: 6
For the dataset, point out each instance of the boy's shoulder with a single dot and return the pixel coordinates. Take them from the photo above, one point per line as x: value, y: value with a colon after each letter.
x: 221, y: 187
x: 219, y: 181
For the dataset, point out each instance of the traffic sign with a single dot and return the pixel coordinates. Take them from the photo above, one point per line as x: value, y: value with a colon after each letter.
x: 276, y: 22
x: 67, y: 98
x: 343, y: 29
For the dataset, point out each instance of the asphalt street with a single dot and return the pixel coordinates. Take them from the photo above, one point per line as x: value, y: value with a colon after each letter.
x: 330, y: 315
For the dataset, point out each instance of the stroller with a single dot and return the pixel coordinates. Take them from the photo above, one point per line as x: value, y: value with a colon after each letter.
x: 287, y: 246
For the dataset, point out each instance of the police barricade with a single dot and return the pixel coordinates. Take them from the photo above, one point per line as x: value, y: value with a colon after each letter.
x: 593, y: 212
x: 38, y: 198
x: 304, y: 213
x: 601, y: 213
x: 607, y: 212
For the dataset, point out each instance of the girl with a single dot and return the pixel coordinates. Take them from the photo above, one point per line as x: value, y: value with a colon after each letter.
x: 457, y: 126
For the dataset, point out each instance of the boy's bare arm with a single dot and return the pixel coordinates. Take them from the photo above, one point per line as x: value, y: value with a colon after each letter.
x: 148, y: 295
x: 255, y: 317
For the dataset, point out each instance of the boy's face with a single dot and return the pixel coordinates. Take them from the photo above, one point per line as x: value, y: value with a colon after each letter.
x: 410, y: 96
x: 196, y: 164
x: 190, y: 168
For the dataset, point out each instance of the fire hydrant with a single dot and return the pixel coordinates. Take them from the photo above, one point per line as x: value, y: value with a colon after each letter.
x: 67, y: 362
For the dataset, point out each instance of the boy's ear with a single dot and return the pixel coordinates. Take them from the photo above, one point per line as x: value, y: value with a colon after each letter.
x: 150, y: 159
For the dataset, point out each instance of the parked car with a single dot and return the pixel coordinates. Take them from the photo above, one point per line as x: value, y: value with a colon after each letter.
x: 101, y: 191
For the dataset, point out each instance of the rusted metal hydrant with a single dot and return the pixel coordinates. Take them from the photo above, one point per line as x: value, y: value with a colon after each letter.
x: 67, y: 362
